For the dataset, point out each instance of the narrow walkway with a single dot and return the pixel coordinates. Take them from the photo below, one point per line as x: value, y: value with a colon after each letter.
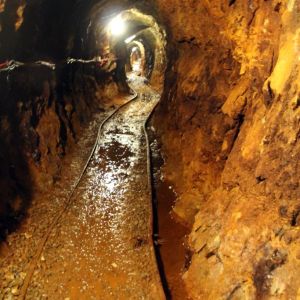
x: 101, y: 249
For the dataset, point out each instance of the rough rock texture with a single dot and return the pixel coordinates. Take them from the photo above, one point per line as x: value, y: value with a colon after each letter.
x: 42, y: 112
x: 43, y: 109
x: 54, y: 29
x: 229, y: 122
x: 231, y: 143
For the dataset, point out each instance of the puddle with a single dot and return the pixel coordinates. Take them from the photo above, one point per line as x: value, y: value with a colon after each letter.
x: 171, y: 235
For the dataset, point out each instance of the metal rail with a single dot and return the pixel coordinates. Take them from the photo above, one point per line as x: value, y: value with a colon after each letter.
x: 161, y: 292
x: 70, y: 200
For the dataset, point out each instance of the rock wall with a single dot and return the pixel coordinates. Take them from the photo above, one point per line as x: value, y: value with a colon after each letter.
x: 229, y: 122
x: 42, y: 111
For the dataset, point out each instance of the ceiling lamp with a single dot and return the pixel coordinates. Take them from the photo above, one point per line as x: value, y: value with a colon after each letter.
x: 130, y: 39
x: 117, y: 26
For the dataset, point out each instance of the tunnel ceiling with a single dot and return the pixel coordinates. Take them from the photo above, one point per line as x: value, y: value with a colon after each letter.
x: 136, y: 23
x: 27, y: 34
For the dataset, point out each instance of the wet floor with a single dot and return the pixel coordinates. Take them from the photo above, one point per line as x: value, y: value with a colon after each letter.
x: 102, y: 247
x: 172, y: 242
x: 172, y: 250
x: 21, y: 246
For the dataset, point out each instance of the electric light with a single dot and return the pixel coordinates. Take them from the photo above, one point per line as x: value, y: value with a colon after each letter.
x: 116, y: 26
x: 130, y: 39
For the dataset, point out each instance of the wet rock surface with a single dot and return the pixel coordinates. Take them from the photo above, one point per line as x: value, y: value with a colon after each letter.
x: 230, y: 143
x: 21, y: 246
x: 228, y: 122
x: 170, y: 236
x: 43, y: 109
x: 102, y: 247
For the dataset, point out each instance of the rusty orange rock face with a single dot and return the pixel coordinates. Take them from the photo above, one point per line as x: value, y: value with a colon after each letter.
x: 234, y: 113
x: 228, y: 121
x: 20, y: 18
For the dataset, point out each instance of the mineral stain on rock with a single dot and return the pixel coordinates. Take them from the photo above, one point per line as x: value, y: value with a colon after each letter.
x: 227, y: 126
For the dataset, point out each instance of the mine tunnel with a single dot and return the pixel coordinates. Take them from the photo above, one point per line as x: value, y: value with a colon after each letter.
x: 149, y: 149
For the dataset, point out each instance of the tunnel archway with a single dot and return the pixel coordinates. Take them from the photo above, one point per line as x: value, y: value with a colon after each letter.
x: 140, y: 27
x: 145, y: 32
x: 137, y: 58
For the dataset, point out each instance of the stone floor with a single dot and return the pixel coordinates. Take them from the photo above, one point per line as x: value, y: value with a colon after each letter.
x: 102, y: 246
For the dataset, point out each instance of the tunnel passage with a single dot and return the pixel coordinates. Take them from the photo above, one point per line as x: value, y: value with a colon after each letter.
x: 84, y: 81
x: 141, y: 45
x: 79, y: 71
x: 136, y: 61
x: 226, y: 128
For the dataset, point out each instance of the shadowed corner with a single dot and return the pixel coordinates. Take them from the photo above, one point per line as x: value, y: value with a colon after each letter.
x: 15, y: 179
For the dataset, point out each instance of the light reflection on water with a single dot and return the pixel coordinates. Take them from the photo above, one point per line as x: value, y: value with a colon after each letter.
x: 110, y: 214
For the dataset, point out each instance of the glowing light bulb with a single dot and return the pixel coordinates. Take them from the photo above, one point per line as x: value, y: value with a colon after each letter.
x: 130, y: 39
x: 117, y: 26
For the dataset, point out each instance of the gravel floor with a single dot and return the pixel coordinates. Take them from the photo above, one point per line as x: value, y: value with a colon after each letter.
x: 101, y: 248
x: 21, y: 246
